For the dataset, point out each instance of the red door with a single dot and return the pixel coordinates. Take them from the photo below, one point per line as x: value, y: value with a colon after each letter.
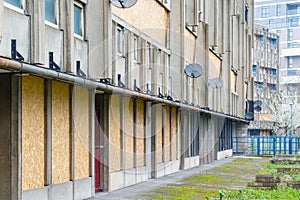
x: 97, y: 144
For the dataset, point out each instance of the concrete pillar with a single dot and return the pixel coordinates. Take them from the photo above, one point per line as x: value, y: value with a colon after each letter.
x: 148, y: 128
x: 16, y: 137
x: 37, y: 12
x: 67, y: 24
x: 5, y: 136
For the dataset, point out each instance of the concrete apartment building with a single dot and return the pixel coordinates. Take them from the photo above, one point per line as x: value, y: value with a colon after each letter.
x: 283, y: 16
x: 94, y: 97
x: 265, y: 72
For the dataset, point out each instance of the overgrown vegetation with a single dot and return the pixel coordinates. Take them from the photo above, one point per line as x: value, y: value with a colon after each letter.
x: 278, y: 193
x: 213, y: 183
x: 229, y: 181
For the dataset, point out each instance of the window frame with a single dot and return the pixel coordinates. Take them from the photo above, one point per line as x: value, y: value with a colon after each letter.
x: 120, y: 40
x: 80, y: 5
x: 49, y: 23
x: 290, y: 34
x: 265, y: 11
x: 290, y: 62
x: 135, y: 48
x: 278, y: 10
x: 14, y: 7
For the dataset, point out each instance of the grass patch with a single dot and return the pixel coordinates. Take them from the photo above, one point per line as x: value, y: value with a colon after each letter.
x: 224, y: 169
x: 205, y: 178
x: 182, y: 192
x: 279, y: 193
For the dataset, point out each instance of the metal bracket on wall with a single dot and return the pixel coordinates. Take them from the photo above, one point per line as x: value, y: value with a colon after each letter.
x: 120, y: 84
x: 136, y: 88
x: 106, y: 81
x: 52, y: 64
x: 148, y: 91
x: 15, y: 55
x: 79, y: 72
x: 169, y: 98
x: 160, y: 95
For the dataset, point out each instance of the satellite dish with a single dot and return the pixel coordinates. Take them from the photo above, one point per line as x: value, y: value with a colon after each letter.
x: 215, y: 82
x: 123, y: 3
x: 249, y: 116
x: 193, y: 70
x: 258, y: 102
x: 257, y: 108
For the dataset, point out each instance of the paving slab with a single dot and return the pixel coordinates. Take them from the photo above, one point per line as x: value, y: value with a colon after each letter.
x: 132, y: 192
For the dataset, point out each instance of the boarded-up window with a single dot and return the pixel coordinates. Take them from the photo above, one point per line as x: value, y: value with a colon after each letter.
x: 167, y: 131
x: 33, y: 132
x: 174, y: 133
x: 140, y: 133
x: 158, y: 133
x: 81, y: 132
x: 60, y: 133
x: 128, y: 133
x: 114, y: 134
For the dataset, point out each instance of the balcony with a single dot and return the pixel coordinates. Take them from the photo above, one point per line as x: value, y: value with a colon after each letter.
x: 290, y: 79
x: 290, y: 52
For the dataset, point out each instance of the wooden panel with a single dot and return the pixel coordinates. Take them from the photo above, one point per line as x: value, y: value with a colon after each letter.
x: 114, y: 134
x: 128, y: 133
x: 140, y: 133
x: 174, y: 134
x: 60, y: 133
x: 81, y: 131
x: 33, y: 131
x: 158, y: 132
x: 154, y: 23
x: 167, y: 133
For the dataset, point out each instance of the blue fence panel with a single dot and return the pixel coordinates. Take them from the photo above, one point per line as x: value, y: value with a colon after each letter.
x: 265, y: 145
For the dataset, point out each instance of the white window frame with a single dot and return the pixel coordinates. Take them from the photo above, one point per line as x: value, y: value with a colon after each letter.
x: 148, y: 55
x: 56, y: 17
x: 135, y: 48
x: 290, y: 62
x: 120, y: 43
x: 15, y: 8
x: 82, y: 22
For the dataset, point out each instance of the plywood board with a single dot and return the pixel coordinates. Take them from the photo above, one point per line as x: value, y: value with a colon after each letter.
x: 33, y: 132
x: 60, y: 133
x: 81, y: 132
x: 167, y: 144
x: 174, y: 133
x: 154, y: 23
x: 114, y: 134
x: 128, y: 133
x: 140, y: 133
x: 158, y: 133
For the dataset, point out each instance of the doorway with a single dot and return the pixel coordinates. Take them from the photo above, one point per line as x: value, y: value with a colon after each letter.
x: 101, y: 142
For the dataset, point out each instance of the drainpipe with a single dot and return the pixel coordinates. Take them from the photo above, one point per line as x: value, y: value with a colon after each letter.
x: 68, y: 78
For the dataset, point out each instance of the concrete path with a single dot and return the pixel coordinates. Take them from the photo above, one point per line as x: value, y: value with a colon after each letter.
x: 132, y: 192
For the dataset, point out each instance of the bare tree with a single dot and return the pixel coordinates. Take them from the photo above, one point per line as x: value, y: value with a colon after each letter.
x: 285, y: 118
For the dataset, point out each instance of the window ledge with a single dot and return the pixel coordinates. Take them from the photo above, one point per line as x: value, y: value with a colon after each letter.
x: 80, y: 37
x: 190, y: 29
x: 12, y: 7
x: 55, y: 26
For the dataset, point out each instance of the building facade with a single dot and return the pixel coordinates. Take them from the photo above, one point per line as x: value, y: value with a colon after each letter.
x: 96, y: 98
x: 265, y: 71
x: 283, y: 16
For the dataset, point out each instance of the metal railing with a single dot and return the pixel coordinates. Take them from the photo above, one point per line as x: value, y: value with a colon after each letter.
x: 265, y: 145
